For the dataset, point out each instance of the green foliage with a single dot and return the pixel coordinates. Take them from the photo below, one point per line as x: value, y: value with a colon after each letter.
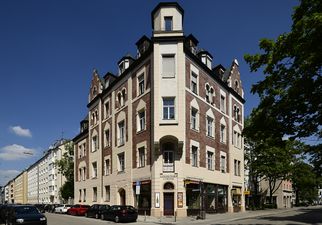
x: 291, y: 90
x: 304, y: 182
x: 66, y: 167
x: 268, y: 156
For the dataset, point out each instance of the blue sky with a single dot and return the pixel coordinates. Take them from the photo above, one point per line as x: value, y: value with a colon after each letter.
x: 48, y: 50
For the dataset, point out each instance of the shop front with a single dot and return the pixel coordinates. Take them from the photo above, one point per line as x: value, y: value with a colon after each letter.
x: 207, y: 197
x: 236, y: 194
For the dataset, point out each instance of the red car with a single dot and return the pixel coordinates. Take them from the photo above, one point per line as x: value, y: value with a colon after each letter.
x: 78, y: 210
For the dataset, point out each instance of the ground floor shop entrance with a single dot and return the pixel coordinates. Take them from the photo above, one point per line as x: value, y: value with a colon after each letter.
x: 211, y: 198
x: 143, y: 199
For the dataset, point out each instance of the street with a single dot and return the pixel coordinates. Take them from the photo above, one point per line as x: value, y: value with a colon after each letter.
x: 301, y: 215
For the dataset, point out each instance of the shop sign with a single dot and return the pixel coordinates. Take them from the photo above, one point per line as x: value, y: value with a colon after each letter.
x: 246, y: 192
x: 180, y: 199
x: 157, y: 199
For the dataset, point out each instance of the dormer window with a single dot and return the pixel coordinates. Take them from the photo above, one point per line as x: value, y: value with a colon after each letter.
x: 168, y: 24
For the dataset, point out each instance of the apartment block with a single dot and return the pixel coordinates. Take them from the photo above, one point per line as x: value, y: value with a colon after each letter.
x: 164, y: 134
x: 21, y: 188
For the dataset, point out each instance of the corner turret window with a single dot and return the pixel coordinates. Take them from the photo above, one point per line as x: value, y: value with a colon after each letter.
x: 168, y: 24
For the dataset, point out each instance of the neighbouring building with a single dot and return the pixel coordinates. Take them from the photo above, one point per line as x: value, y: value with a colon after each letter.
x: 49, y: 179
x: 21, y: 187
x: 164, y: 134
x: 33, y: 183
x: 282, y: 197
x: 6, y: 193
x: 2, y: 194
x: 11, y: 196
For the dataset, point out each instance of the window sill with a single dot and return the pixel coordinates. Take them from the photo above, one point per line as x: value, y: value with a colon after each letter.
x: 168, y: 122
x: 94, y: 178
x: 211, y: 137
x: 194, y: 129
x: 140, y: 131
x: 168, y: 76
x: 121, y: 172
x: 139, y: 167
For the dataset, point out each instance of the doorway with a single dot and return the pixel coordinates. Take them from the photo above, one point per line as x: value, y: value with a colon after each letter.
x: 168, y: 204
x: 122, y: 196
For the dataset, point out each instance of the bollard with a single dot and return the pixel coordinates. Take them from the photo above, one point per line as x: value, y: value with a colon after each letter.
x: 144, y: 215
x: 175, y: 216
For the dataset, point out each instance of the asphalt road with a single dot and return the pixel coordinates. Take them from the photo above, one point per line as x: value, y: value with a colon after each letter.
x: 304, y: 215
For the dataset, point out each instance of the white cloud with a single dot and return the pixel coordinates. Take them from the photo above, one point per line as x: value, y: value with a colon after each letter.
x: 18, y: 130
x: 6, y: 175
x: 15, y: 152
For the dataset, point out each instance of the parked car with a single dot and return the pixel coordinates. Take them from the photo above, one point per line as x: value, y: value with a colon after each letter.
x: 62, y: 208
x: 120, y: 213
x: 96, y: 210
x: 40, y: 207
x: 25, y: 214
x: 78, y: 210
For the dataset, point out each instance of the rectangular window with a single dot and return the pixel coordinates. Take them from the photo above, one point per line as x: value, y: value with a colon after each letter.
x: 194, y: 114
x: 210, y: 124
x: 168, y: 26
x: 223, y: 164
x: 94, y: 170
x: 107, y: 109
x: 121, y: 139
x: 194, y: 87
x: 222, y: 133
x: 141, y: 84
x: 141, y: 157
x: 80, y: 195
x: 121, y: 160
x: 222, y: 103
x: 168, y: 161
x: 194, y: 156
x: 106, y: 167
x: 84, y: 173
x: 94, y: 194
x: 236, y: 167
x: 168, y: 66
x: 94, y: 144
x: 107, y: 193
x: 210, y: 159
x: 84, y: 195
x: 107, y: 138
x: 141, y: 120
x: 168, y: 109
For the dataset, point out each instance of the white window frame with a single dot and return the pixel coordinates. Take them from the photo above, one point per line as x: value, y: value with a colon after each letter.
x: 194, y: 156
x: 121, y: 133
x: 194, y: 82
x: 194, y: 118
x: 141, y: 120
x: 210, y: 126
x: 121, y: 162
x: 223, y: 162
x: 168, y: 108
x: 107, y: 167
x: 94, y: 143
x: 94, y: 170
x: 210, y: 166
x: 223, y: 133
x: 223, y: 103
x: 141, y: 161
x: 107, y: 137
x: 141, y: 84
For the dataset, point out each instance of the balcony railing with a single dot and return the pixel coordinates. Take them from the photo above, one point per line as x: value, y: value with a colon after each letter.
x: 168, y: 167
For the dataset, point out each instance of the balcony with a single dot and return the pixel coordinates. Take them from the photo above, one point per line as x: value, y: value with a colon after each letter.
x: 168, y: 167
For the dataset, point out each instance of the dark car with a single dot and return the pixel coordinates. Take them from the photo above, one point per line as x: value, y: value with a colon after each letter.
x: 96, y: 210
x: 78, y: 210
x: 120, y: 213
x: 25, y: 214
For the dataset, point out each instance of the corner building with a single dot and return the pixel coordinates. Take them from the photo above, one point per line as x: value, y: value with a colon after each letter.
x: 164, y: 135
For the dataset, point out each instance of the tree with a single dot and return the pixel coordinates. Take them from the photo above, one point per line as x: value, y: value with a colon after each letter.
x: 304, y: 182
x: 66, y: 168
x: 269, y: 157
x: 291, y: 90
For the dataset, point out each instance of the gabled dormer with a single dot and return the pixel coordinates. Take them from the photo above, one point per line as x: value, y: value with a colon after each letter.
x: 124, y: 63
x: 108, y: 79
x: 143, y: 45
x: 192, y: 43
x: 206, y: 58
x: 96, y: 86
x: 167, y: 19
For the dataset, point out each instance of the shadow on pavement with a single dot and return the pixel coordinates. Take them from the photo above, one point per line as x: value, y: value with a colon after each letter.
x: 309, y: 216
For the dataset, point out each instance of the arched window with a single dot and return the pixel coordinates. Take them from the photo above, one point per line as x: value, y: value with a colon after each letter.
x: 168, y: 186
x: 236, y: 86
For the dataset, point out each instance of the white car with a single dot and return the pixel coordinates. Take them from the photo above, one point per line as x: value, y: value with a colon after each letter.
x: 62, y: 209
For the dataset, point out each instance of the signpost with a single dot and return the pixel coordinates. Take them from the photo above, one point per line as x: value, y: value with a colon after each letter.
x: 137, y: 192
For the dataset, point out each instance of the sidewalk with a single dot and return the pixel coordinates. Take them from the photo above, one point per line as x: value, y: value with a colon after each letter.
x: 217, y: 218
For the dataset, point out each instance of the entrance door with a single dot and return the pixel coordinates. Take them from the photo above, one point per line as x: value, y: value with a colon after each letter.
x: 122, y: 196
x: 168, y: 204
